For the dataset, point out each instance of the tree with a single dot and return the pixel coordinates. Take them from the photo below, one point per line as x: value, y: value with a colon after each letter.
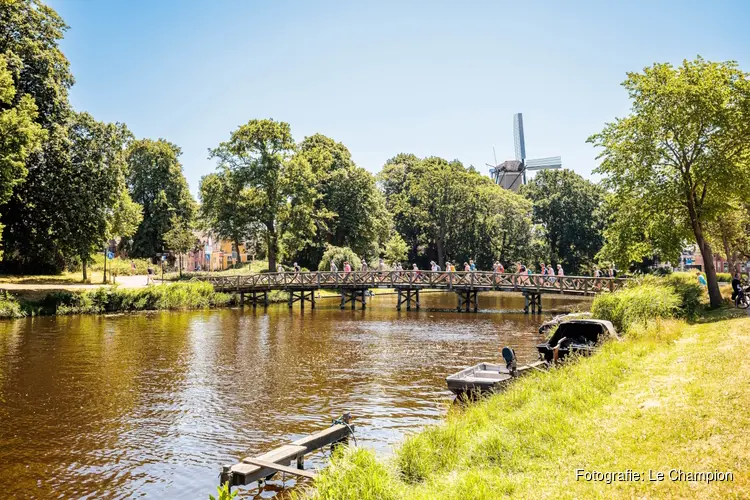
x: 731, y: 233
x: 180, y: 238
x: 569, y: 207
x: 122, y: 221
x: 339, y: 255
x: 396, y: 249
x: 33, y: 234
x: 279, y: 185
x: 20, y: 135
x: 502, y: 227
x: 682, y: 155
x: 350, y: 210
x: 96, y: 165
x: 226, y: 209
x: 158, y: 184
x: 361, y: 220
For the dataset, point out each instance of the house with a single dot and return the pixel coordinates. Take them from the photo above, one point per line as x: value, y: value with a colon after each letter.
x: 691, y: 258
x: 215, y: 255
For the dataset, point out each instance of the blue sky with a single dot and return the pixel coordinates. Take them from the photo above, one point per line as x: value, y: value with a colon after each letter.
x: 429, y: 78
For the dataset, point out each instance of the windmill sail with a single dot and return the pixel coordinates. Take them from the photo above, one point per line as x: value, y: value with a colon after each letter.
x: 518, y: 136
x: 544, y: 163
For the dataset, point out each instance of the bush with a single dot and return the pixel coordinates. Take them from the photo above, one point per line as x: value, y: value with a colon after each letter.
x: 10, y: 308
x: 339, y: 255
x: 689, y: 291
x: 637, y: 305
x: 725, y: 277
x: 194, y: 295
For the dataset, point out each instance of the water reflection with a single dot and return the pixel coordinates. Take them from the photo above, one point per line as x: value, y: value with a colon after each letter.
x: 153, y: 404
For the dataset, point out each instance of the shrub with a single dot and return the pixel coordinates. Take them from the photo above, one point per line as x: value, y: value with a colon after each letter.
x: 725, y: 277
x: 193, y: 295
x: 689, y: 291
x: 10, y: 308
x: 339, y: 255
x: 637, y: 305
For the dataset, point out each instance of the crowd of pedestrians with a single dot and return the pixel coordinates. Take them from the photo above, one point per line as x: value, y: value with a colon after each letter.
x: 548, y: 271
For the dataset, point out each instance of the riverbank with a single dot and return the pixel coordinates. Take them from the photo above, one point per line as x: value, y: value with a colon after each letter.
x: 173, y: 296
x: 672, y: 396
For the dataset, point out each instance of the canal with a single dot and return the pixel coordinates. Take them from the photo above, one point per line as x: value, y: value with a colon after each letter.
x: 153, y: 404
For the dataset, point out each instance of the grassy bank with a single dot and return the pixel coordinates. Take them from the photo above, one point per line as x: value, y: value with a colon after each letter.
x: 671, y: 395
x: 173, y: 296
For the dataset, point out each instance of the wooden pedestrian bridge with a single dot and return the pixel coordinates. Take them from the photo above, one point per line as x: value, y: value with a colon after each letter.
x: 354, y: 286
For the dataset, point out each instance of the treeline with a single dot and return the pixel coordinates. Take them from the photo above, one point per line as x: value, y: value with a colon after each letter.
x: 675, y: 171
x: 71, y: 184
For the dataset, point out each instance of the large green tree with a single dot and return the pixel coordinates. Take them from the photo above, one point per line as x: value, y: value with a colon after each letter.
x: 34, y: 233
x: 350, y: 211
x: 157, y: 183
x: 20, y: 135
x: 226, y: 208
x: 96, y: 165
x: 570, y: 208
x: 280, y: 186
x: 680, y: 158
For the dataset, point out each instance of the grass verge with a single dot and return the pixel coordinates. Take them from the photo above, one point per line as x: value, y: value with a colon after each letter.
x: 670, y: 397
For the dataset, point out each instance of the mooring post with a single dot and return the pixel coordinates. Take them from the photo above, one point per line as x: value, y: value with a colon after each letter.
x: 526, y: 303
x: 301, y: 462
x: 291, y: 297
x: 417, y: 302
x: 242, y: 299
x: 226, y: 476
x: 343, y: 298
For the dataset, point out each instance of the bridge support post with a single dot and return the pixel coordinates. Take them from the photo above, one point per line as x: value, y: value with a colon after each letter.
x: 532, y: 301
x: 467, y: 300
x: 353, y: 296
x: 254, y: 297
x: 301, y: 296
x: 407, y: 296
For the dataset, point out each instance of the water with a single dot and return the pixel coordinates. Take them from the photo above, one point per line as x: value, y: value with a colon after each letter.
x: 153, y: 404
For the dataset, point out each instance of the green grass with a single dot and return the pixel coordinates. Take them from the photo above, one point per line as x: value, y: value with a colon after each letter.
x: 670, y: 395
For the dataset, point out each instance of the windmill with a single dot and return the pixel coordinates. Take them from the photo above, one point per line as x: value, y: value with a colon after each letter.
x: 511, y: 174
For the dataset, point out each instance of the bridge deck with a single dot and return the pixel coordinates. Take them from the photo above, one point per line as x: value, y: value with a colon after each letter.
x: 439, y: 280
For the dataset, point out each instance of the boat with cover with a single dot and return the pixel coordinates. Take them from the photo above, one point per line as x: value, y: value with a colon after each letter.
x: 578, y: 336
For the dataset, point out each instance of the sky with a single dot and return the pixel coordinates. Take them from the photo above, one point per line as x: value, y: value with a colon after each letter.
x: 431, y: 78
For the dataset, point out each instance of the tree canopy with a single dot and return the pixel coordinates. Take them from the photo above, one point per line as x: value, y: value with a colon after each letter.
x: 157, y: 183
x: 678, y: 161
x: 570, y: 209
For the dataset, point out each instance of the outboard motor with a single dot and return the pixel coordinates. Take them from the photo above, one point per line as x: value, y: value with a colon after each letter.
x: 510, y: 361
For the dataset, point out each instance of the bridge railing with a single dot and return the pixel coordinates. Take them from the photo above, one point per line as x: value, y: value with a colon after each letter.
x: 487, y: 280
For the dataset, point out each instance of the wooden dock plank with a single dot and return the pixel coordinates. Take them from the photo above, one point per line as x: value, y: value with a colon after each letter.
x: 249, y: 471
x: 281, y: 468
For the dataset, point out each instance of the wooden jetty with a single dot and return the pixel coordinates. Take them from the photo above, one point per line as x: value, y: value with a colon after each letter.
x: 353, y: 286
x: 264, y: 467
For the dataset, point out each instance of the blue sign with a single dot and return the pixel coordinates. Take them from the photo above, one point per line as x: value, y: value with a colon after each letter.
x: 110, y: 255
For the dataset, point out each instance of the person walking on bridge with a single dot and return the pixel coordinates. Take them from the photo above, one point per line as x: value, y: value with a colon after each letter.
x: 364, y: 265
x: 472, y: 265
x: 279, y: 268
x: 334, y: 267
x: 560, y: 272
x: 466, y: 267
x: 347, y: 267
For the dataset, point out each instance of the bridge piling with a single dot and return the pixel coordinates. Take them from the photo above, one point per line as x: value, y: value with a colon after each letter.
x: 407, y: 296
x: 354, y: 295
x: 467, y: 300
x: 533, y: 301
